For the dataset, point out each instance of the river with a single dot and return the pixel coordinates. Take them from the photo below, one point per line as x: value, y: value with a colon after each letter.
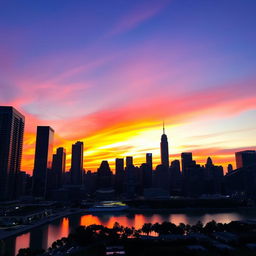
x: 42, y: 237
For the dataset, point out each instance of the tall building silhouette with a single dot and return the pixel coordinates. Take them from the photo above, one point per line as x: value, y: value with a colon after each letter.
x: 186, y: 161
x: 59, y: 166
x: 146, y: 173
x: 149, y: 160
x: 77, y: 162
x: 129, y: 161
x: 245, y: 158
x: 119, y: 166
x: 104, y: 175
x: 164, y: 149
x: 119, y: 177
x: 11, y: 141
x: 175, y: 178
x: 230, y: 168
x: 43, y: 159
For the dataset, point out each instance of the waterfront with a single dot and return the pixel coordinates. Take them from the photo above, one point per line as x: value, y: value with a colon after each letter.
x: 43, y: 236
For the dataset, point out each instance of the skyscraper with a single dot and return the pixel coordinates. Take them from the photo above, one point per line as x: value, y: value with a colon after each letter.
x: 164, y: 149
x: 129, y: 161
x: 104, y: 175
x: 77, y: 163
x: 146, y: 172
x: 59, y: 166
x: 186, y: 161
x: 11, y: 141
x: 119, y: 177
x: 149, y: 161
x: 43, y: 159
x: 245, y: 158
x: 119, y: 166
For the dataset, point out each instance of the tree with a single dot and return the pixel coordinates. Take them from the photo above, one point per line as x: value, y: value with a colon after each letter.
x: 197, y: 228
x: 25, y: 252
x: 182, y: 228
x: 210, y: 227
x: 127, y: 232
x: 147, y: 228
x: 117, y: 227
x: 54, y: 245
x: 156, y: 227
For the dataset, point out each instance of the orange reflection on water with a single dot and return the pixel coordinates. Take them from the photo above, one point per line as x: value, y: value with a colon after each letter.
x: 178, y: 218
x: 107, y: 220
x: 122, y: 220
x: 129, y: 220
x: 88, y: 220
x: 57, y: 231
x: 139, y: 220
x: 22, y: 241
x: 222, y: 218
x: 64, y: 227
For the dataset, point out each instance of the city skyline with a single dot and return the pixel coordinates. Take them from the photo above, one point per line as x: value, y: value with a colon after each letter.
x: 44, y: 155
x: 127, y: 127
x: 108, y: 74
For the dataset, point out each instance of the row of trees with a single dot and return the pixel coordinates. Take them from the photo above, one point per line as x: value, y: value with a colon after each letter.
x: 93, y: 234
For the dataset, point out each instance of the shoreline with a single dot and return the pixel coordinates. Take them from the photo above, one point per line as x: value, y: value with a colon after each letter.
x: 4, y: 234
x: 8, y: 234
x: 188, y: 209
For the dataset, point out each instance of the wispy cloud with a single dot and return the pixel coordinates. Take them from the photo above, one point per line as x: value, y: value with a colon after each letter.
x: 138, y: 15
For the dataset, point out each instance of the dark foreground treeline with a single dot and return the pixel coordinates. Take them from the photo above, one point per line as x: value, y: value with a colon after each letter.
x: 234, y: 238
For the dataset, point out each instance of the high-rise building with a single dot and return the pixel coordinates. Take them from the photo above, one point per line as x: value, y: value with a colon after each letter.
x: 149, y: 161
x: 119, y: 166
x: 119, y: 177
x: 230, y: 168
x: 209, y: 162
x: 164, y: 149
x: 146, y: 172
x: 175, y: 178
x: 11, y: 141
x: 43, y: 159
x: 186, y: 160
x: 162, y: 177
x: 245, y: 158
x: 104, y: 169
x: 104, y: 175
x: 59, y: 166
x: 77, y: 162
x: 129, y: 161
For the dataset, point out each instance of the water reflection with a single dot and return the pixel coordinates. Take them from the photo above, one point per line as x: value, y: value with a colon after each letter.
x: 38, y: 238
x: 22, y: 241
x: 44, y: 236
x: 223, y: 218
x: 57, y: 230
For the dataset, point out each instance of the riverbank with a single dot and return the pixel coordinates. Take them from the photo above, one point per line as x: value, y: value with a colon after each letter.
x: 4, y: 234
x: 137, y: 210
x: 43, y: 234
x: 234, y: 238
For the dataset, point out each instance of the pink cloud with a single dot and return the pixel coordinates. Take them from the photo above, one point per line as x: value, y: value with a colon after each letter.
x: 218, y: 102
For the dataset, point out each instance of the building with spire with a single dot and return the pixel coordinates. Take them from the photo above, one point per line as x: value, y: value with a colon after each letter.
x: 164, y: 149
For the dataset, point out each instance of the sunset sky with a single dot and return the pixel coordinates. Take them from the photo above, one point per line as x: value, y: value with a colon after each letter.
x: 108, y: 72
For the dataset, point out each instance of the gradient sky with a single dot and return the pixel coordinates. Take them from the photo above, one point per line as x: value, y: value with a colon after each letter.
x: 107, y: 72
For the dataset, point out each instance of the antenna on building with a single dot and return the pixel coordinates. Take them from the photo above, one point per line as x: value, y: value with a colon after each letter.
x: 163, y: 128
